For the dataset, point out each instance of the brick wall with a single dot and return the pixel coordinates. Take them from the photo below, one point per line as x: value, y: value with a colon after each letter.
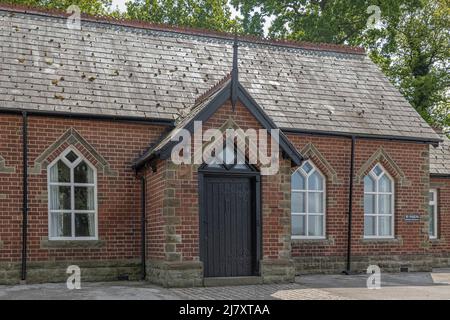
x: 180, y: 205
x: 10, y: 188
x: 118, y: 189
x: 408, y: 164
x: 172, y: 199
x: 440, y: 247
x: 155, y: 186
x: 182, y: 199
x: 337, y: 152
x: 411, y: 197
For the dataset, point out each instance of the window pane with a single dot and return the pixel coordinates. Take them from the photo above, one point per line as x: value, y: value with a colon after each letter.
x: 369, y: 203
x: 298, y: 225
x: 83, y: 173
x: 315, y: 181
x: 241, y: 166
x: 298, y: 202
x: 71, y: 156
x: 384, y: 204
x: 84, y: 198
x: 307, y: 167
x: 315, y: 202
x: 377, y: 170
x: 384, y: 226
x: 369, y: 226
x: 369, y: 184
x: 230, y: 155
x: 298, y: 181
x: 432, y: 221
x: 315, y: 226
x: 60, y: 172
x: 60, y: 198
x: 431, y: 196
x: 61, y: 225
x: 84, y: 225
x: 385, y: 184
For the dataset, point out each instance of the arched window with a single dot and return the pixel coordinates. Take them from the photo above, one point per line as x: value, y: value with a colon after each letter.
x: 72, y: 189
x: 378, y: 204
x: 433, y: 212
x: 308, y: 202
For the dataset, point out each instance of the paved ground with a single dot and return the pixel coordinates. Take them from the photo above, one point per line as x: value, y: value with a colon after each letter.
x: 434, y: 285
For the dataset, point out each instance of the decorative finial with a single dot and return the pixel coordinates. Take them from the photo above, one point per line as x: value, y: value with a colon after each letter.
x: 235, y: 73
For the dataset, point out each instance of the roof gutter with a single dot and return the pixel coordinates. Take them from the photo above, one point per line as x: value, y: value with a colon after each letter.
x: 89, y: 116
x: 440, y: 175
x: 434, y: 142
x: 140, y: 163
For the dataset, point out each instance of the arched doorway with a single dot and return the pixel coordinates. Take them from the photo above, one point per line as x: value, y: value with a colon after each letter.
x: 230, y: 219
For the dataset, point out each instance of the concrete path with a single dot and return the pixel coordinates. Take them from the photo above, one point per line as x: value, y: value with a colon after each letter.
x: 89, y: 291
x: 414, y: 286
x: 422, y: 286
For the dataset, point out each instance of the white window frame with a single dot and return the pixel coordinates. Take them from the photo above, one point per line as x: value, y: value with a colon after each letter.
x: 377, y: 215
x: 72, y: 185
x: 307, y: 191
x: 434, y: 203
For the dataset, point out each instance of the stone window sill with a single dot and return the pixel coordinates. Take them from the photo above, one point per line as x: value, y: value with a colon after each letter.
x: 437, y: 241
x: 313, y: 242
x: 61, y: 244
x: 393, y: 241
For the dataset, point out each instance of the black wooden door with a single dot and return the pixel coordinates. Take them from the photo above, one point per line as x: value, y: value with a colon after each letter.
x: 228, y: 227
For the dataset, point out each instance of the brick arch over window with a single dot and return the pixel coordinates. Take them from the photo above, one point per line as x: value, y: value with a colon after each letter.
x: 381, y: 156
x: 4, y: 168
x: 310, y: 152
x: 72, y: 138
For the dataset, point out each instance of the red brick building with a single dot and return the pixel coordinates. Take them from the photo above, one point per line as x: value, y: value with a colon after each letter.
x: 87, y: 176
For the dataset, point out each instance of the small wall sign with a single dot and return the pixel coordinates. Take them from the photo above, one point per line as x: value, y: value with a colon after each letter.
x: 412, y: 217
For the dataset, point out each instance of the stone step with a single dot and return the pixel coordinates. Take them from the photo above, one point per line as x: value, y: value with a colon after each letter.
x: 441, y: 277
x: 231, y: 281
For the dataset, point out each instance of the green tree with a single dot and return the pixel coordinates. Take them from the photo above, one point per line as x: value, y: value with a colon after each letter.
x: 95, y: 7
x: 410, y: 41
x: 415, y: 55
x: 209, y: 14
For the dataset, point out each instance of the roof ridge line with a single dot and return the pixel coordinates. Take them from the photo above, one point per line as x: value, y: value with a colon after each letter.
x: 315, y: 46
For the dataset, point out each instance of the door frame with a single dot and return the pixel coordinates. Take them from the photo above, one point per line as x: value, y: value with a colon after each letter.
x: 255, y: 178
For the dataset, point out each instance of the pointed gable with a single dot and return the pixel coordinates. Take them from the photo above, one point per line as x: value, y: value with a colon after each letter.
x: 205, y: 109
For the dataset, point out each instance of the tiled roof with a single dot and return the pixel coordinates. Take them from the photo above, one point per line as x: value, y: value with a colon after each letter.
x: 440, y: 158
x: 182, y: 121
x: 115, y: 69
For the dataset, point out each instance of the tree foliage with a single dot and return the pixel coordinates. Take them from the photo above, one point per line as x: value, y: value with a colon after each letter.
x: 415, y: 55
x: 209, y: 14
x: 95, y: 7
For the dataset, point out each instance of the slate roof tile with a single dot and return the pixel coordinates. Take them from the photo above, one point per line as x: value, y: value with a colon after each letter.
x: 440, y: 158
x: 109, y: 68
